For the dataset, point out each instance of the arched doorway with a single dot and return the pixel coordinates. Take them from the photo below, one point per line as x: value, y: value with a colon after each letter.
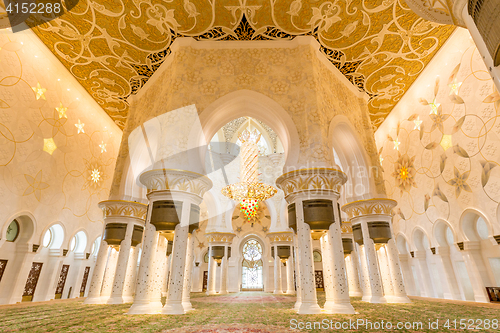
x: 251, y: 271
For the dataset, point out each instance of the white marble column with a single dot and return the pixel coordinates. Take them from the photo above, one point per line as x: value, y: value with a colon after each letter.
x: 94, y: 295
x: 298, y: 301
x: 146, y: 266
x: 212, y: 273
x: 327, y: 263
x: 374, y: 292
x: 290, y: 286
x: 173, y: 304
x: 364, y: 274
x: 278, y: 285
x: 427, y: 290
x: 224, y: 270
x: 158, y: 275
x: 352, y: 267
x: 109, y: 274
x: 450, y: 284
x: 131, y: 275
x: 385, y: 274
x: 399, y: 291
x: 340, y: 291
x: 186, y: 288
x: 167, y: 275
x: 121, y: 267
x: 309, y: 301
x: 477, y: 270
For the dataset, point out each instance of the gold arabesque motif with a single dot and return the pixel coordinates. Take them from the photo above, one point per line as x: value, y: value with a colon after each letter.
x: 113, y: 48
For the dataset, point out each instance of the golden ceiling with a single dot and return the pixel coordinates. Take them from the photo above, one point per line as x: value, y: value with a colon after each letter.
x: 113, y: 47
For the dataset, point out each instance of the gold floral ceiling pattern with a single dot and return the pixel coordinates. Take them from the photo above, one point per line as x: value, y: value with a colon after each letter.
x: 113, y: 47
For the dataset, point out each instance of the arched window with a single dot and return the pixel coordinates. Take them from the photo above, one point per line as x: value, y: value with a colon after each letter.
x: 12, y: 231
x: 47, y: 238
x: 53, y: 237
x: 78, y: 242
x: 205, y: 258
x: 252, y: 265
x: 95, y: 246
x: 317, y: 256
x: 482, y: 228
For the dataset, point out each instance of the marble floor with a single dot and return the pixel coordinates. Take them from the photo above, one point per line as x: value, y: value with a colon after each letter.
x: 239, y: 312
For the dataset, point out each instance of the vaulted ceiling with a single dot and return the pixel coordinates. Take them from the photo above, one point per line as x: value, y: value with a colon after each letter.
x: 113, y: 47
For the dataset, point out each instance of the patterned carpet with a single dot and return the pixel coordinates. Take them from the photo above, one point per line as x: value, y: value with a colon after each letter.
x: 231, y: 328
x: 247, y: 297
x: 245, y: 312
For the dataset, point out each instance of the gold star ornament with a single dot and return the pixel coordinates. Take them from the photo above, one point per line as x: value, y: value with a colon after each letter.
x: 39, y: 91
x: 417, y: 123
x: 103, y: 147
x: 95, y: 175
x: 49, y: 145
x: 396, y: 144
x: 454, y: 87
x: 80, y: 127
x: 434, y: 107
x: 446, y: 141
x: 62, y: 111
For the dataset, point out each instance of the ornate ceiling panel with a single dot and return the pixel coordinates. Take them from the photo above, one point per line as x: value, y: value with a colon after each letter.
x: 113, y: 47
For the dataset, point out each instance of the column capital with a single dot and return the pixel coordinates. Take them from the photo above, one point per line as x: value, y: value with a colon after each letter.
x: 370, y: 207
x: 311, y: 181
x: 219, y: 237
x: 346, y: 227
x: 173, y: 179
x: 281, y: 237
x: 123, y: 209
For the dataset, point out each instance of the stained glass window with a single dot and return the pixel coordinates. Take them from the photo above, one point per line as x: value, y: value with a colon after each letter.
x: 252, y: 265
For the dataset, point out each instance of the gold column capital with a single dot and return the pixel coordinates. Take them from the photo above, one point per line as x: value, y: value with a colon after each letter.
x: 178, y: 180
x: 311, y: 180
x: 219, y: 237
x: 123, y: 208
x: 280, y: 237
x: 376, y: 206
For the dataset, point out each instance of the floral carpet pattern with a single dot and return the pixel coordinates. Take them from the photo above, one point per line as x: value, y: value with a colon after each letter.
x: 211, y: 315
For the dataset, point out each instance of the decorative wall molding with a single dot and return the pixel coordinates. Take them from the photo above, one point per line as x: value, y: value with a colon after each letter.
x: 313, y: 179
x: 217, y: 237
x: 180, y: 180
x: 346, y: 228
x: 123, y: 208
x: 378, y: 206
x: 283, y: 236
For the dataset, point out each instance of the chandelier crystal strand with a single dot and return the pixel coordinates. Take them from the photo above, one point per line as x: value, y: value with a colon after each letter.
x: 249, y: 192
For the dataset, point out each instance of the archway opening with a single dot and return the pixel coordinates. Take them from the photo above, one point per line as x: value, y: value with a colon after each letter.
x: 252, y: 264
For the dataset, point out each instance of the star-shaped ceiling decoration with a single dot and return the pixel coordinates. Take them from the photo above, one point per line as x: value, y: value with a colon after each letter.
x: 39, y: 91
x: 49, y: 145
x: 379, y: 46
x: 35, y: 185
x: 103, y: 147
x: 80, y: 126
x: 62, y: 111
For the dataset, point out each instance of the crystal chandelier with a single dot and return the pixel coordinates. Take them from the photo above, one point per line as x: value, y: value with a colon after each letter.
x: 249, y: 192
